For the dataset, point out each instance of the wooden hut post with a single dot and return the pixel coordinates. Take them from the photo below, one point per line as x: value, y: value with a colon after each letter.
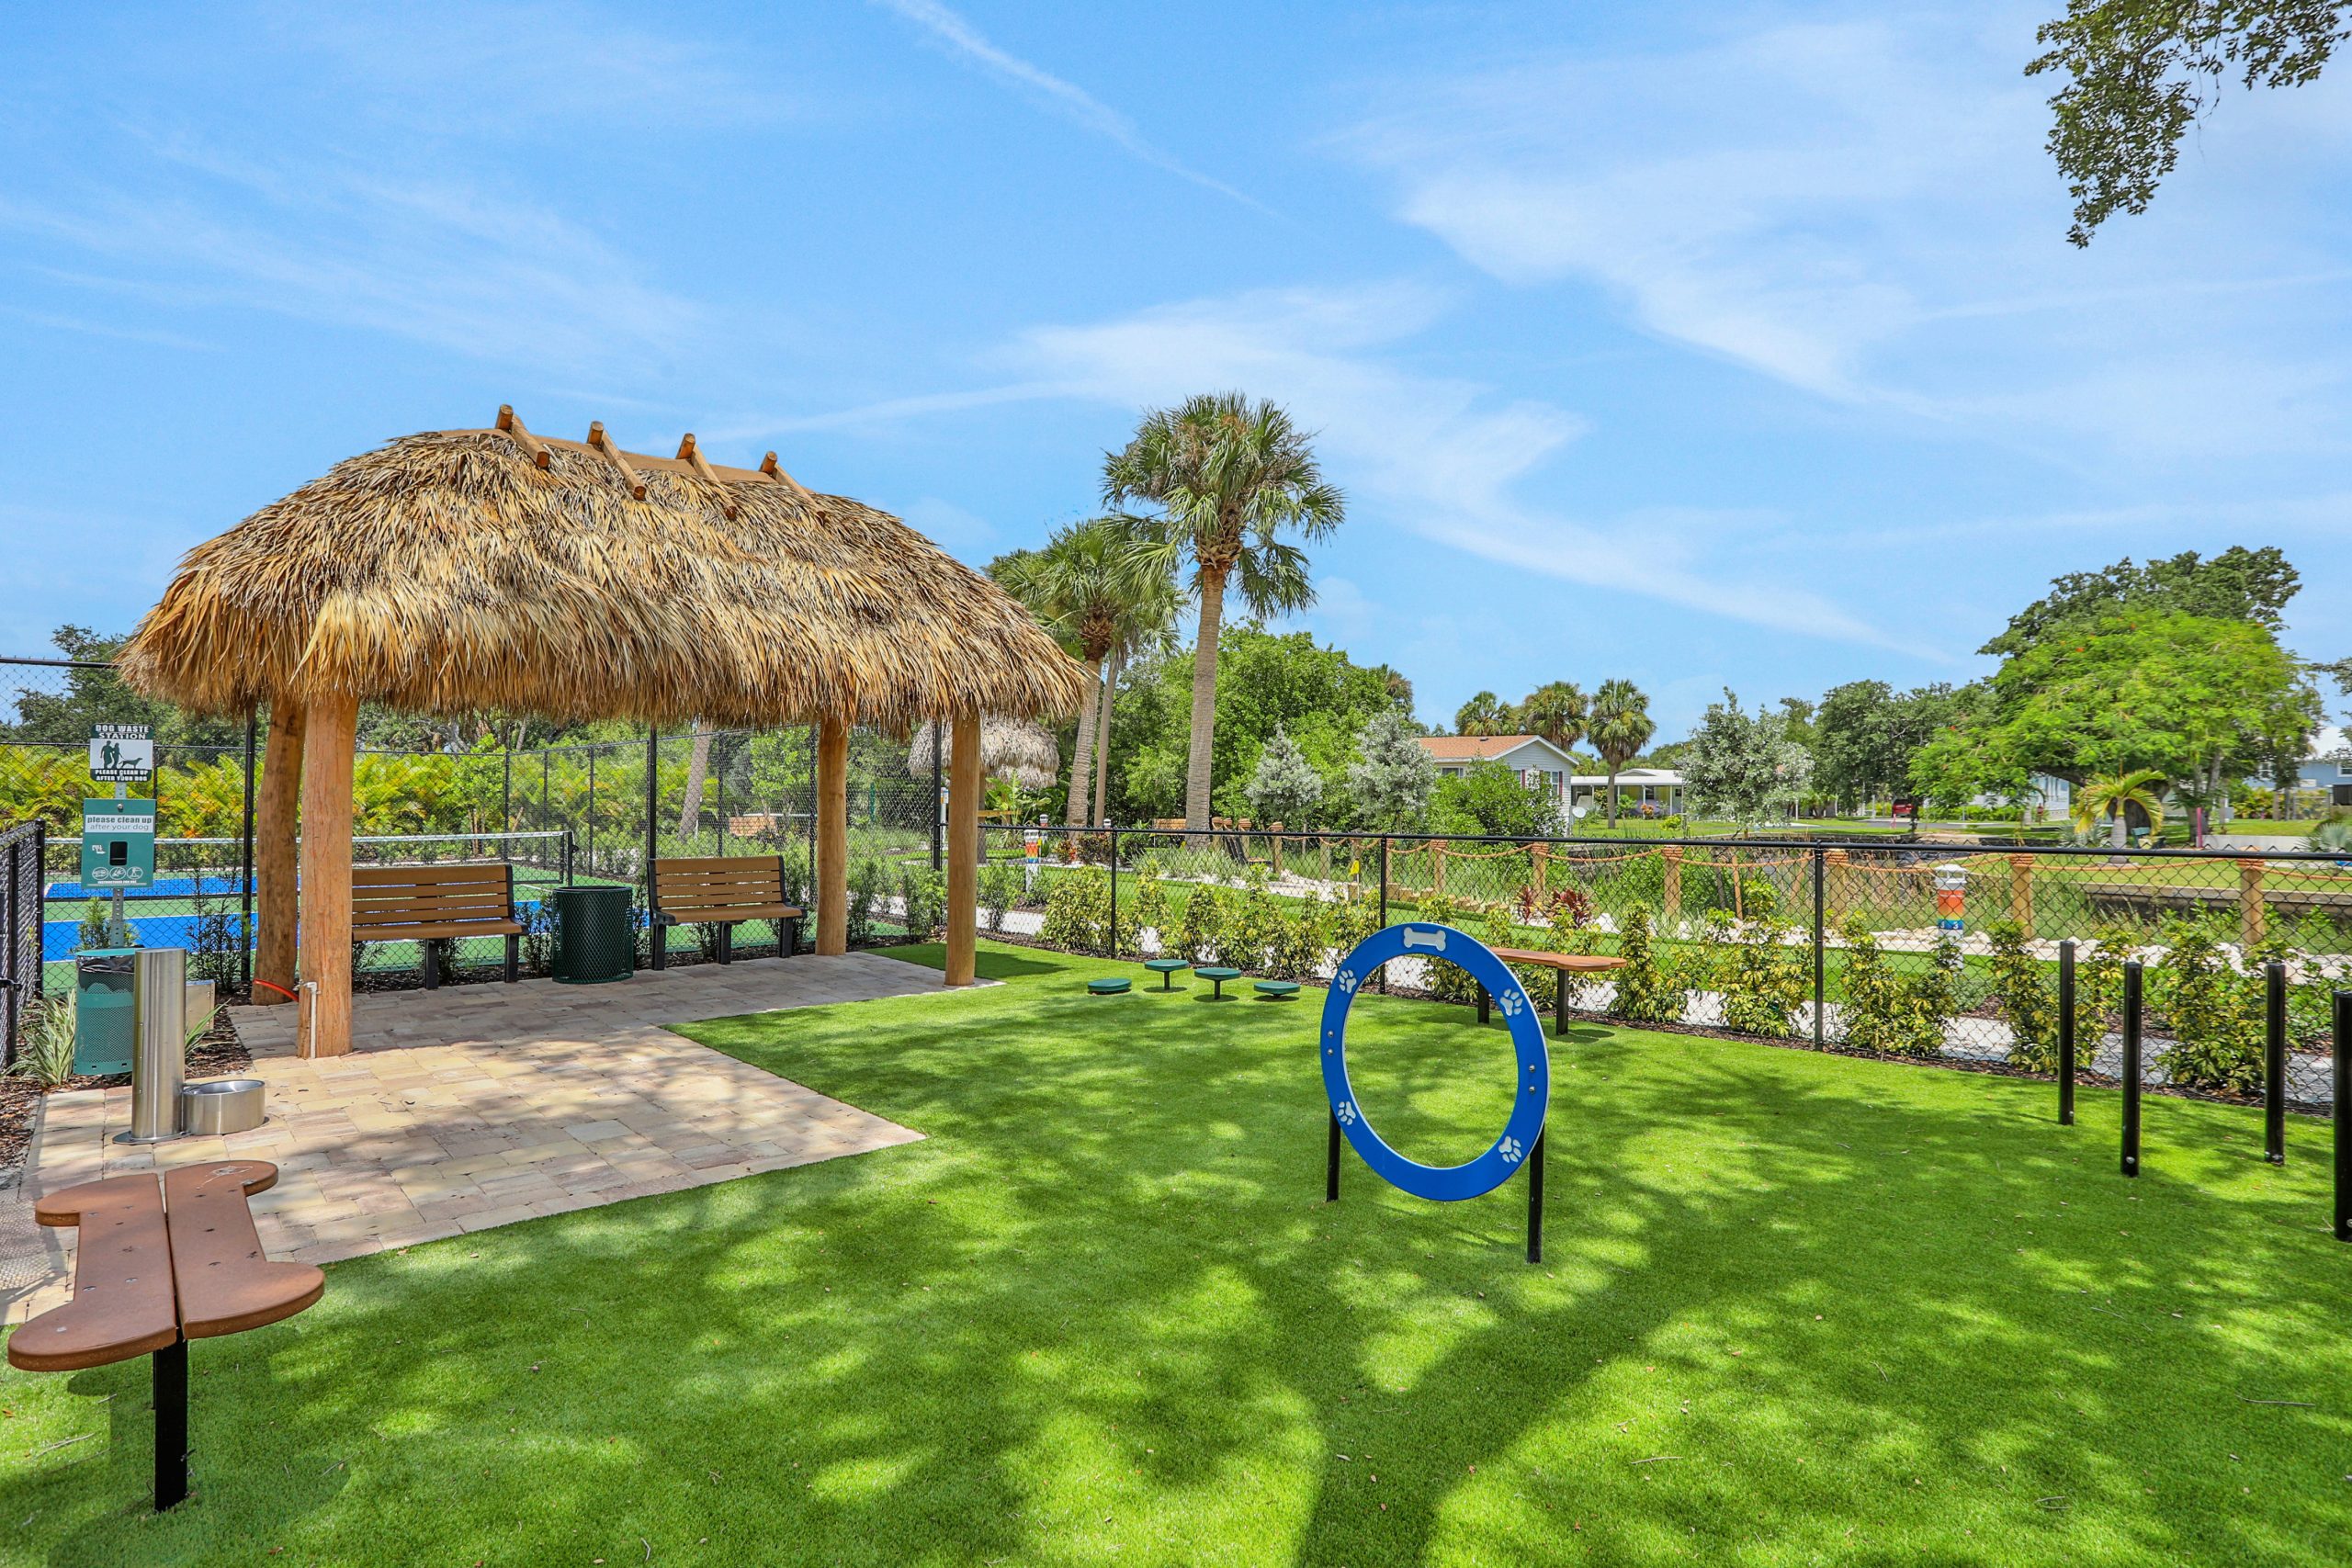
x: 832, y: 837
x: 275, y: 817
x: 963, y: 846
x: 330, y: 732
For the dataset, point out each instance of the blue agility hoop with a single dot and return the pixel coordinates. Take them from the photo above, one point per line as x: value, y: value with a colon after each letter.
x: 1441, y: 1184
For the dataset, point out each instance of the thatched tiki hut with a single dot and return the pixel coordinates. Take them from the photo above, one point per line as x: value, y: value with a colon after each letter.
x: 461, y: 571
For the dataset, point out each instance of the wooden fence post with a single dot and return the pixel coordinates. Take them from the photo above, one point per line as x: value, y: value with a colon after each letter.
x: 2250, y: 905
x: 1672, y: 918
x: 1275, y: 840
x: 1437, y: 867
x: 1837, y: 894
x: 2021, y: 892
x: 1542, y: 858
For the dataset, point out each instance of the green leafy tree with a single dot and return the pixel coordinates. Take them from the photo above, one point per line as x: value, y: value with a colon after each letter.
x: 1484, y: 714
x: 2140, y: 73
x: 2239, y: 584
x: 1742, y: 766
x: 1285, y: 787
x: 1228, y: 478
x: 1488, y: 798
x: 1865, y: 736
x: 1619, y: 726
x: 1393, y: 775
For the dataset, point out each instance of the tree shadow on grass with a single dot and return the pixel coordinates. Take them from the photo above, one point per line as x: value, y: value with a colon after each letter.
x: 1104, y: 1306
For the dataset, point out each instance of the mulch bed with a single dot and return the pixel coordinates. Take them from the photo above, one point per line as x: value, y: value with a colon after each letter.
x: 219, y: 1052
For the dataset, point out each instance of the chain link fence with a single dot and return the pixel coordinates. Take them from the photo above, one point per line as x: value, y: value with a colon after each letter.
x: 1916, y: 949
x: 576, y: 810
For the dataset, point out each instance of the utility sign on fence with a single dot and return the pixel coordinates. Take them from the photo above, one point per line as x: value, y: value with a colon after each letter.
x: 122, y: 753
x: 118, y: 845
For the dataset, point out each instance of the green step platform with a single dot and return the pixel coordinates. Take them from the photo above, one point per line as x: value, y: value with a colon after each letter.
x: 1165, y: 969
x: 1218, y: 978
x: 1278, y: 988
x: 1110, y: 985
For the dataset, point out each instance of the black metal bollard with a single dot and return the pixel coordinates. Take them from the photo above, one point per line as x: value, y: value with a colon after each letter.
x: 1535, y: 1201
x: 2274, y: 1062
x: 2067, y: 1033
x: 2131, y: 1069
x: 2342, y: 1114
x: 1332, y: 1164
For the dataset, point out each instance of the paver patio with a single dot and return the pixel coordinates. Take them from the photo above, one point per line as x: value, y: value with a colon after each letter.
x: 479, y: 1105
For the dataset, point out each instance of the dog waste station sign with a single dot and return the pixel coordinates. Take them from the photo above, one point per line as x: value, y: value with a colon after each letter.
x: 122, y: 753
x: 118, y: 845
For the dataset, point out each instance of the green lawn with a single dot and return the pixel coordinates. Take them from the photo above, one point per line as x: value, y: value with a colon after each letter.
x: 1795, y: 1309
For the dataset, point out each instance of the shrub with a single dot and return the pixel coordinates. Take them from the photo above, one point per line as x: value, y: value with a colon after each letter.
x: 1887, y: 1010
x: 1352, y: 919
x: 2216, y: 1016
x: 1446, y: 981
x: 1571, y: 930
x: 1152, y: 906
x: 538, y: 922
x: 1761, y: 979
x: 1000, y: 890
x: 97, y: 928
x: 45, y: 1053
x: 1199, y: 926
x: 1253, y: 930
x: 923, y: 892
x: 1305, y: 937
x: 869, y: 881
x: 1648, y: 991
x: 2028, y: 997
x: 1075, y: 910
x: 2098, y: 988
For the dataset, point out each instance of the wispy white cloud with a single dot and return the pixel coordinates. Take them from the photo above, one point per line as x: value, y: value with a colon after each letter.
x: 955, y: 32
x: 1442, y: 457
x: 1863, y: 211
x: 441, y: 262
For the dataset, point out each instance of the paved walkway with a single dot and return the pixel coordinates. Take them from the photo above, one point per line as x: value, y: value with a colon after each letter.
x: 479, y: 1105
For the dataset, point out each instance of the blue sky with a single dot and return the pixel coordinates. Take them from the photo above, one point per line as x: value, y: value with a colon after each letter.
x: 1706, y: 345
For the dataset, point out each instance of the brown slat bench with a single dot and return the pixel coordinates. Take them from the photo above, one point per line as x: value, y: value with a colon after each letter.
x: 424, y: 903
x: 156, y: 1266
x: 722, y: 890
x: 1562, y: 964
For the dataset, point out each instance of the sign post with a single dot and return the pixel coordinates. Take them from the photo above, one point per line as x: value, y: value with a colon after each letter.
x: 120, y: 754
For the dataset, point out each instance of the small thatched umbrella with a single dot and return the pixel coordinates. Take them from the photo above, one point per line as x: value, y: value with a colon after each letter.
x: 1016, y: 748
x: 459, y: 571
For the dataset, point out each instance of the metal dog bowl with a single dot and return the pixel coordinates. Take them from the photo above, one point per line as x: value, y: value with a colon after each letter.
x: 221, y: 1105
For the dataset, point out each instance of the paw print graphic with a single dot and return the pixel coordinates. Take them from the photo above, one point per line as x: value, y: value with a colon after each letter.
x: 1346, y: 980
x: 1510, y: 1002
x: 1347, y: 1113
x: 1512, y: 1153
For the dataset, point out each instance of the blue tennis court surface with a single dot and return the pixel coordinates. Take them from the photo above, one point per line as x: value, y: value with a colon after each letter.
x: 228, y: 886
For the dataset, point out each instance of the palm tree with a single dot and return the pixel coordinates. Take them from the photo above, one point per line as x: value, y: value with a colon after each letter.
x: 1146, y: 619
x: 1228, y: 477
x: 2112, y: 798
x: 1619, y: 726
x: 1555, y: 711
x: 1092, y: 586
x: 1482, y: 715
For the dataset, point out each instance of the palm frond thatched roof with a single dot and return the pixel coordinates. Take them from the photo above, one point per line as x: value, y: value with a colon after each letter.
x: 1016, y: 748
x: 460, y: 570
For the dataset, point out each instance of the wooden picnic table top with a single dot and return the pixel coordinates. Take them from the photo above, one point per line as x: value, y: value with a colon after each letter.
x: 160, y: 1261
x: 1574, y: 962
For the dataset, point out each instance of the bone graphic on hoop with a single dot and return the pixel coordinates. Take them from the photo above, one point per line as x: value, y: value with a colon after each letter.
x: 1433, y: 938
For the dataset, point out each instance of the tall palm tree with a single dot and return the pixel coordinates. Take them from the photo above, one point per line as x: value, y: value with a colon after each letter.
x: 1146, y: 619
x: 1618, y: 726
x: 1482, y: 715
x: 1228, y: 477
x: 1093, y: 586
x: 1557, y: 711
x: 2113, y: 797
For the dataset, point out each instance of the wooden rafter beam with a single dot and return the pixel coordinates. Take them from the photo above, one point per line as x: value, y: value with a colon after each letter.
x: 775, y: 471
x: 538, y: 450
x: 693, y: 455
x: 603, y: 442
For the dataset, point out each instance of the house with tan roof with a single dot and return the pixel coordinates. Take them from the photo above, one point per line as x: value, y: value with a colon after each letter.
x: 1541, y: 765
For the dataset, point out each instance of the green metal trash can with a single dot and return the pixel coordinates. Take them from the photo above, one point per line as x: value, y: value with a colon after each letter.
x: 102, y: 1034
x: 595, y: 935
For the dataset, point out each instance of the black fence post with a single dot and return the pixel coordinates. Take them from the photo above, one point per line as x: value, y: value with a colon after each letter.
x: 938, y: 744
x: 1384, y: 904
x: 12, y: 955
x: 245, y: 875
x: 2274, y: 1062
x: 1820, y: 954
x: 591, y: 810
x: 506, y: 794
x: 2342, y: 1114
x: 1331, y: 1163
x: 2132, y: 1067
x: 1111, y: 937
x: 2067, y: 1033
x: 1535, y: 1201
x: 567, y: 857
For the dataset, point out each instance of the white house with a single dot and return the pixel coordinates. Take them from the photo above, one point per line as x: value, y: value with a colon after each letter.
x: 2327, y: 772
x: 1647, y: 792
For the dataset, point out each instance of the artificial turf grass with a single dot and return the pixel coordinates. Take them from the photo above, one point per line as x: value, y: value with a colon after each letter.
x: 1103, y: 1306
